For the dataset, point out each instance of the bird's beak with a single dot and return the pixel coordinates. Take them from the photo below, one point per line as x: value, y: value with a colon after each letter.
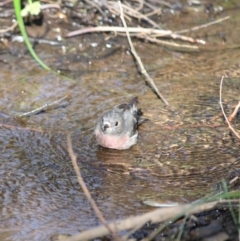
x: 106, y: 125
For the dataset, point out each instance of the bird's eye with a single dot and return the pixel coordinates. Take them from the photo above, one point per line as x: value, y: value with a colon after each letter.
x: 116, y: 123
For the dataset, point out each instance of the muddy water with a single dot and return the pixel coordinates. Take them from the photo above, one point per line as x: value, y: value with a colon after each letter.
x: 183, y: 151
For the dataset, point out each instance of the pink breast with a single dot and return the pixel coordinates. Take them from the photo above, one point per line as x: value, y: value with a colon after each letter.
x: 110, y: 141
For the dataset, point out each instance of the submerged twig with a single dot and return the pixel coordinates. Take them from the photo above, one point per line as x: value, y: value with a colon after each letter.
x: 18, y: 127
x: 220, y: 102
x: 44, y: 107
x: 138, y: 59
x: 230, y: 118
x: 84, y: 187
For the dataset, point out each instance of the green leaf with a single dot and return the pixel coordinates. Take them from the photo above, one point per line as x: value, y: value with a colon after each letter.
x: 35, y: 8
x: 32, y: 9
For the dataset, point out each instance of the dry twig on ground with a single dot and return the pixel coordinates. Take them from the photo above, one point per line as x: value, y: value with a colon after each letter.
x: 138, y: 59
x: 202, y: 26
x: 220, y: 102
x: 11, y: 28
x: 150, y: 34
x: 156, y: 216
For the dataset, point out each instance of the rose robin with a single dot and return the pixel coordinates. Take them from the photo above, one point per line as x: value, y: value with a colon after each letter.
x: 117, y: 128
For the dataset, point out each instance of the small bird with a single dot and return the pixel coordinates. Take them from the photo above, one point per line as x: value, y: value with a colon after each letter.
x: 117, y: 128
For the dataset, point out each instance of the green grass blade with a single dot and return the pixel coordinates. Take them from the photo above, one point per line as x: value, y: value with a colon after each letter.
x: 17, y: 7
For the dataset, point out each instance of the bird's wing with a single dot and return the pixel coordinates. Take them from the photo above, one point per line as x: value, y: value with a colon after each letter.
x: 131, y: 115
x: 131, y: 105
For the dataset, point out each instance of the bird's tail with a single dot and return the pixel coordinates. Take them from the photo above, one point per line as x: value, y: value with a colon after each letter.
x: 139, y: 112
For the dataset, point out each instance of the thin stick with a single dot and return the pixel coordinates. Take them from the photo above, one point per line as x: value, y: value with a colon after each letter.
x: 138, y: 59
x: 156, y: 216
x: 11, y: 28
x: 160, y: 32
x: 202, y: 26
x: 84, y: 187
x: 141, y: 3
x: 167, y: 43
x: 44, y: 107
x: 97, y: 7
x: 145, y: 33
x: 230, y: 118
x: 47, y: 6
x: 138, y: 30
x: 220, y: 102
x: 15, y: 127
x: 136, y: 14
x: 134, y: 229
x: 149, y: 31
x: 156, y: 11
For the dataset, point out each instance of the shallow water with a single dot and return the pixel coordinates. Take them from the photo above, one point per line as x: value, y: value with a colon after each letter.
x: 181, y: 154
x: 183, y: 151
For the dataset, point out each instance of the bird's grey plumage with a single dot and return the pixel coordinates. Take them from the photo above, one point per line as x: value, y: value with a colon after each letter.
x: 117, y: 128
